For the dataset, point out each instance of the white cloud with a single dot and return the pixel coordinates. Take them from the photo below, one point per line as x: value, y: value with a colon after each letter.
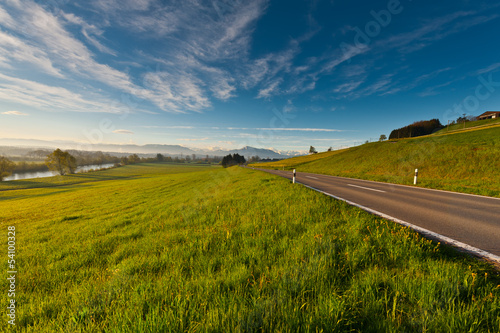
x: 348, y: 86
x: 202, y: 139
x: 286, y: 129
x: 89, y: 31
x: 122, y: 131
x: 271, y: 89
x: 170, y: 127
x: 302, y: 129
x: 6, y: 19
x: 13, y: 50
x: 15, y: 113
x: 52, y: 98
x: 488, y: 69
x: 434, y: 30
x: 176, y: 93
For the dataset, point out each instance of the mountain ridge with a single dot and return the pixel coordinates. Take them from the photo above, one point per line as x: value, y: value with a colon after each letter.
x: 147, y: 149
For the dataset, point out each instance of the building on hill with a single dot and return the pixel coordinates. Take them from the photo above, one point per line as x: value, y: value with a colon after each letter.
x: 489, y: 115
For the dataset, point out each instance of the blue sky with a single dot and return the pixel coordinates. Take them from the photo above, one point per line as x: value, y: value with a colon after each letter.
x: 269, y: 74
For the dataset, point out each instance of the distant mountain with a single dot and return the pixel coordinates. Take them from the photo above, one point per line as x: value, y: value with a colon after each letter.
x: 251, y: 151
x: 25, y: 145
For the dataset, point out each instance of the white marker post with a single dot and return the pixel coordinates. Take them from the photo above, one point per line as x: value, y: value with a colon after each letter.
x: 415, y: 178
x: 294, y: 174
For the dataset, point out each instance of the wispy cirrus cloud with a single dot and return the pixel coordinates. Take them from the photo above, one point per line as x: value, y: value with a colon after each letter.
x: 175, y: 89
x: 89, y: 31
x: 54, y: 98
x: 191, y: 139
x: 14, y: 50
x: 15, y: 113
x: 122, y: 131
x: 286, y: 129
x: 429, y: 32
x: 488, y: 69
x: 434, y: 30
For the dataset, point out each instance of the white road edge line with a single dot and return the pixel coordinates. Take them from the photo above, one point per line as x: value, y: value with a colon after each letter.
x: 465, y: 247
x: 367, y: 188
x: 312, y: 177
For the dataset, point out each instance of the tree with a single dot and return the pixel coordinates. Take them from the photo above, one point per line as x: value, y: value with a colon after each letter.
x: 71, y: 164
x: 230, y: 160
x: 312, y: 150
x: 6, y: 167
x: 132, y: 159
x: 254, y: 159
x: 330, y: 149
x: 160, y: 157
x: 382, y: 137
x: 61, y: 161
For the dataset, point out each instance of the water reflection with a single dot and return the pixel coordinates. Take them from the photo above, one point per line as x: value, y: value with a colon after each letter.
x: 42, y: 174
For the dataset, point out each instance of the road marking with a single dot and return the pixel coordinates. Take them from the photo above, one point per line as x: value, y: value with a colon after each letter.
x: 366, y: 188
x: 312, y: 177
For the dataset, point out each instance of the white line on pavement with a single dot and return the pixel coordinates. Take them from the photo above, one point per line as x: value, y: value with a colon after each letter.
x: 366, y: 188
x: 311, y: 177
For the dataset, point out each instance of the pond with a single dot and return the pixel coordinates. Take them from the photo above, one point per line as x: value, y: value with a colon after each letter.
x: 42, y: 174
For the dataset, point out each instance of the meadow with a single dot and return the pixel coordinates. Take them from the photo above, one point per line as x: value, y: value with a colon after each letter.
x: 464, y: 162
x: 469, y: 125
x: 165, y: 248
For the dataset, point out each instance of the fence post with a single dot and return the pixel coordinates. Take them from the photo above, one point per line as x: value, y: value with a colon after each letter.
x: 415, y: 178
x: 294, y: 175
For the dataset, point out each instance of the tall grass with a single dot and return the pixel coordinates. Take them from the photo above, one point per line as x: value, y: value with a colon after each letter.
x: 465, y: 162
x: 230, y: 250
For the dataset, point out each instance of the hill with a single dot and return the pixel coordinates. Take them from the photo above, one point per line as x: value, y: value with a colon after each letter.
x: 459, y: 161
x: 468, y: 125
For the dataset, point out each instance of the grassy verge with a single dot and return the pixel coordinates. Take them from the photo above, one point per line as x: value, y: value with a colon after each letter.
x: 230, y: 250
x: 464, y: 162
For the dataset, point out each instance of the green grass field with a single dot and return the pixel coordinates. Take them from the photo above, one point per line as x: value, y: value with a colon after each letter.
x: 469, y: 125
x: 464, y: 162
x: 162, y: 248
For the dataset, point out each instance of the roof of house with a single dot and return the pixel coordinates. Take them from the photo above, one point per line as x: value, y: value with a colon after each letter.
x: 489, y: 112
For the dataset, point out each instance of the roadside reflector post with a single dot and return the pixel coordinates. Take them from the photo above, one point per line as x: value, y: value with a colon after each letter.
x: 294, y: 175
x: 415, y: 178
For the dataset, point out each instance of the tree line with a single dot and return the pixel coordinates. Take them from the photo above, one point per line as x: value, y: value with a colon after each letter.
x: 66, y: 162
x: 418, y: 128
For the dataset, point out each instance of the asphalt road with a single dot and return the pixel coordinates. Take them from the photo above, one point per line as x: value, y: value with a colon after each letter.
x: 470, y: 219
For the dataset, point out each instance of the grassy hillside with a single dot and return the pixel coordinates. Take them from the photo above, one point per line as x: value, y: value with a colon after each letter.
x: 466, y: 162
x: 299, y: 160
x: 469, y: 125
x: 150, y: 248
